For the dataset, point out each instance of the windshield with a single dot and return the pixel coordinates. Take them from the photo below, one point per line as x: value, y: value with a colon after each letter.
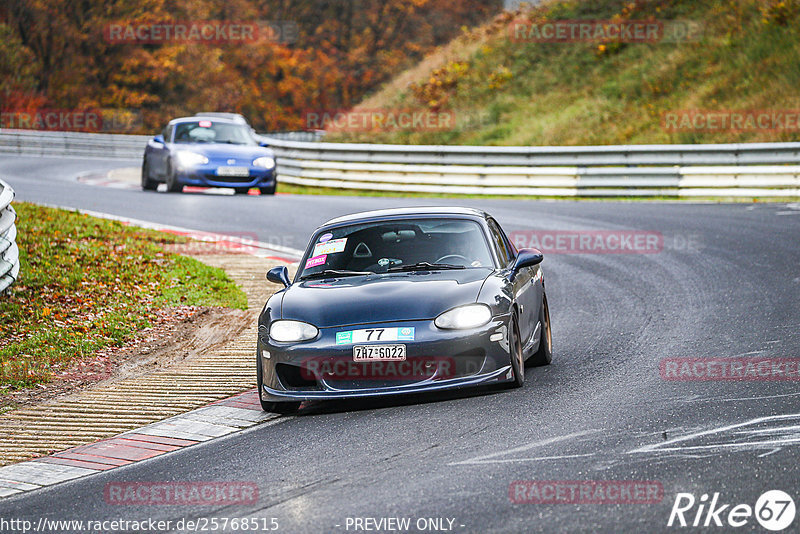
x: 386, y: 246
x: 205, y: 131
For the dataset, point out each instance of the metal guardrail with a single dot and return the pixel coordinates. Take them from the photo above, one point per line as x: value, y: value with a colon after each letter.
x: 718, y: 170
x: 9, y: 252
x: 46, y: 143
x: 313, y: 136
x: 114, y: 146
x: 713, y: 170
x: 711, y: 154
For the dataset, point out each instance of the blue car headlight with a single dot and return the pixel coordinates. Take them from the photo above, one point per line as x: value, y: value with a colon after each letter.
x: 286, y: 331
x: 187, y: 158
x: 265, y: 162
x: 464, y: 317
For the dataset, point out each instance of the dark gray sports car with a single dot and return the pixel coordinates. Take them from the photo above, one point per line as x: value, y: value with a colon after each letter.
x: 402, y: 301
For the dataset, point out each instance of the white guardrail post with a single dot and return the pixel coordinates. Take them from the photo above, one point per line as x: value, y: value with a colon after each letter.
x: 711, y: 170
x: 9, y: 253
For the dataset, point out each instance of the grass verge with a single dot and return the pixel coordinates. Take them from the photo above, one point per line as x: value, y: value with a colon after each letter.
x: 87, y: 284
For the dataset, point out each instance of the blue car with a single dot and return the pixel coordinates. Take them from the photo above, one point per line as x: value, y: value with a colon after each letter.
x: 208, y: 152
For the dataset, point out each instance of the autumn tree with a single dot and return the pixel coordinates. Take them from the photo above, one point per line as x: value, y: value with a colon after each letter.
x: 57, y: 49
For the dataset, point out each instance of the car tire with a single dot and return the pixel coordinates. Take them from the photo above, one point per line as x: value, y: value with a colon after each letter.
x: 517, y: 358
x: 544, y: 354
x: 173, y: 186
x: 283, y: 408
x: 148, y: 184
x: 241, y: 190
x: 268, y: 190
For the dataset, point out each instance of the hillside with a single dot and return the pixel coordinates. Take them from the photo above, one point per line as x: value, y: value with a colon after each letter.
x: 744, y: 55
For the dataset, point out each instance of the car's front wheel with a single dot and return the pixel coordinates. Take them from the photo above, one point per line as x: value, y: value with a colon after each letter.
x: 241, y: 190
x: 173, y: 185
x: 272, y: 407
x: 544, y: 354
x: 517, y: 358
x: 148, y: 184
x: 268, y: 190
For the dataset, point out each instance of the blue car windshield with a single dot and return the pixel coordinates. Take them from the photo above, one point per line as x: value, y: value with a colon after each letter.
x: 387, y: 246
x: 205, y: 131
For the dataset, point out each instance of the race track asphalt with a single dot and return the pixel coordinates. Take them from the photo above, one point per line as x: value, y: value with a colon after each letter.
x: 726, y: 284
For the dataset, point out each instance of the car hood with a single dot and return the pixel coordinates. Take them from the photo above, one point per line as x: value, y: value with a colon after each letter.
x: 245, y: 153
x: 381, y: 297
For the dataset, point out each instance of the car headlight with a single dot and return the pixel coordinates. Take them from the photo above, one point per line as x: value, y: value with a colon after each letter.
x: 185, y: 158
x: 286, y: 331
x: 463, y: 317
x: 265, y: 161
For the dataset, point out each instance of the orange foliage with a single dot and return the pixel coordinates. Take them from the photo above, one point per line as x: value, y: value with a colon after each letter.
x: 56, y: 52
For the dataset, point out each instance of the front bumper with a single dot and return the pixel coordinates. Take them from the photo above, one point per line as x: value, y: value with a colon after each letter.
x: 435, y: 360
x: 206, y: 176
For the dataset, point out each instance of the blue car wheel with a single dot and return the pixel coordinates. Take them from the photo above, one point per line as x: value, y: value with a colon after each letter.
x: 148, y: 184
x: 173, y: 185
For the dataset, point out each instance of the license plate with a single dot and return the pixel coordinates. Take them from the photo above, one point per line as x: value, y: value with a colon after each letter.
x: 233, y: 171
x: 365, y: 353
x: 403, y: 333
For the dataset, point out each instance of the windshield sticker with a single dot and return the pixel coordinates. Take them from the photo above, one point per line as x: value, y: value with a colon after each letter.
x: 317, y: 260
x: 330, y: 247
x: 403, y: 333
x: 205, y: 124
x: 325, y: 237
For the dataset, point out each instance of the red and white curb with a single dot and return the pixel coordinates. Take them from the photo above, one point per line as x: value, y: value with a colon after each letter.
x: 203, y: 424
x: 102, y: 181
x: 92, y: 178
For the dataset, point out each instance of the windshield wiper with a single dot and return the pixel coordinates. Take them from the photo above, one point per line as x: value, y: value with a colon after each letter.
x: 424, y: 266
x: 335, y: 272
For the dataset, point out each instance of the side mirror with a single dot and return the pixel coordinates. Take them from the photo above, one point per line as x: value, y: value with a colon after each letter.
x: 527, y: 257
x: 279, y: 275
x: 159, y: 139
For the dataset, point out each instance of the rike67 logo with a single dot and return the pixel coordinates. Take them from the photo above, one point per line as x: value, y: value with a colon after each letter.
x: 774, y: 510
